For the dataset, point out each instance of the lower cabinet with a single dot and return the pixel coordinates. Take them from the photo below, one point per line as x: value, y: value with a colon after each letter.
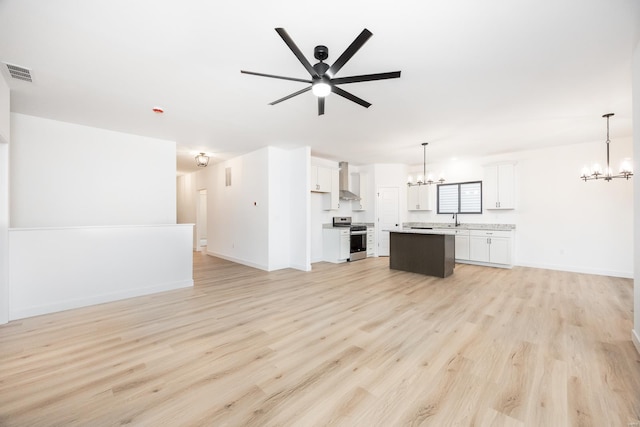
x: 371, y: 242
x: 490, y: 246
x: 336, y: 244
x: 462, y: 241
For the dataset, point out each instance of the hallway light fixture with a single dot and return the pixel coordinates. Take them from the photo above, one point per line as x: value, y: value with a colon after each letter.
x: 626, y: 170
x: 202, y: 160
x: 424, y: 179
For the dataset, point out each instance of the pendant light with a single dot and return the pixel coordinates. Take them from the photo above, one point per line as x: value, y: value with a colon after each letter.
x: 423, y: 179
x: 626, y: 170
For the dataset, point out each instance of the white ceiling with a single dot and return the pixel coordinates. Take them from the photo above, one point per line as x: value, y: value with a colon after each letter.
x: 478, y: 77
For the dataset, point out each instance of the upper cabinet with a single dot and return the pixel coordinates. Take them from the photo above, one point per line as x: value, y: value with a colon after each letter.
x: 419, y: 198
x: 321, y: 179
x: 359, y: 187
x: 332, y: 198
x: 499, y: 186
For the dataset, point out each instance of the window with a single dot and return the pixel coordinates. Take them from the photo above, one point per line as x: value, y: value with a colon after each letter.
x: 460, y: 197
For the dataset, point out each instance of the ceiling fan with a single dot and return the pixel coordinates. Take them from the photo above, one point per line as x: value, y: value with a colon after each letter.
x: 322, y: 80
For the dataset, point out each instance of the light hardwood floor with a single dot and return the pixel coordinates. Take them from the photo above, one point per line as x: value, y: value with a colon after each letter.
x: 353, y: 344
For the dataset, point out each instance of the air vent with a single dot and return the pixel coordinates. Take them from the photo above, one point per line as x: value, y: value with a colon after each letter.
x: 18, y: 72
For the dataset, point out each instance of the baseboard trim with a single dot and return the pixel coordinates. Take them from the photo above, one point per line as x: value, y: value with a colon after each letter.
x: 573, y: 269
x: 238, y: 260
x: 301, y: 267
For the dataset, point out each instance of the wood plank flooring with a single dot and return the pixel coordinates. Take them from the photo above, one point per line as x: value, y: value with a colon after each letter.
x: 354, y: 344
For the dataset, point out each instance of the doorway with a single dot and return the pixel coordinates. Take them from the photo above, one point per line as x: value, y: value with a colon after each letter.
x: 201, y: 220
x: 388, y: 216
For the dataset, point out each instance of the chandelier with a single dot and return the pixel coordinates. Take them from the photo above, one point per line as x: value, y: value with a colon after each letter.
x: 202, y: 160
x: 596, y: 172
x: 423, y: 179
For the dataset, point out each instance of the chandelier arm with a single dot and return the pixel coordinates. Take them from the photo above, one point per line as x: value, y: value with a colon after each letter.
x: 608, y: 141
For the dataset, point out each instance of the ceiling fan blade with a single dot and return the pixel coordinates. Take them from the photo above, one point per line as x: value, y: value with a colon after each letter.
x: 350, y: 96
x: 296, y: 51
x: 276, y: 77
x: 320, y: 105
x: 351, y: 50
x: 306, y: 89
x: 366, y: 78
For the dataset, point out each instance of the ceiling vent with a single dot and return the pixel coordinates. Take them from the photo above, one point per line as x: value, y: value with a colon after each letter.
x: 20, y: 73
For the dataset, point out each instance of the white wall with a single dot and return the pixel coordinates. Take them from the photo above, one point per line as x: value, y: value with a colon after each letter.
x: 261, y: 220
x: 5, y: 135
x: 93, y: 217
x: 636, y: 198
x: 64, y: 174
x: 568, y: 224
x: 299, y: 209
x: 238, y: 222
x: 186, y: 204
x: 5, y: 105
x: 53, y: 269
x: 279, y: 210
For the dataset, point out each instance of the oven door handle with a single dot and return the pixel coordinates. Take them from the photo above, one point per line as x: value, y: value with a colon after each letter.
x: 358, y: 233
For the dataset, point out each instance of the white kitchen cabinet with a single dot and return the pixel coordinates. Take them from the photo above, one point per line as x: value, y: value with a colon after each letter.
x: 462, y: 241
x: 336, y: 244
x: 359, y: 186
x: 492, y: 247
x: 331, y: 200
x: 371, y: 242
x: 419, y: 198
x: 499, y: 186
x: 320, y: 179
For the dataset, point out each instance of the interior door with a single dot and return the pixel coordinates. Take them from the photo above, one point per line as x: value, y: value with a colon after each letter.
x: 388, y: 216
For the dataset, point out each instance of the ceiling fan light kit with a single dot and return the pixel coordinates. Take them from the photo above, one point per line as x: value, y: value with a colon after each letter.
x: 323, y: 81
x: 321, y: 88
x: 596, y: 172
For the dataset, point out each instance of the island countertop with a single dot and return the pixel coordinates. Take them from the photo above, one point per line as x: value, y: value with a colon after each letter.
x: 463, y: 226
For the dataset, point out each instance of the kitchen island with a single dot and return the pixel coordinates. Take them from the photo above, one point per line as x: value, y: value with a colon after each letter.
x: 423, y: 252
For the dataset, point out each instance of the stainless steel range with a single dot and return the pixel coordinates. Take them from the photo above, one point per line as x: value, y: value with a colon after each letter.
x: 358, y: 237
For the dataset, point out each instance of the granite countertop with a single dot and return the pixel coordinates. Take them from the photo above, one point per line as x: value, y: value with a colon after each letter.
x: 423, y: 231
x: 463, y: 226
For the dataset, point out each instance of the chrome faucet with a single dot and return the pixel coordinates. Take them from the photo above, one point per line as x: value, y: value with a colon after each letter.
x: 455, y: 216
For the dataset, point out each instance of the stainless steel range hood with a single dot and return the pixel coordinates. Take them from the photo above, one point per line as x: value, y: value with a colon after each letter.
x: 345, y: 194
